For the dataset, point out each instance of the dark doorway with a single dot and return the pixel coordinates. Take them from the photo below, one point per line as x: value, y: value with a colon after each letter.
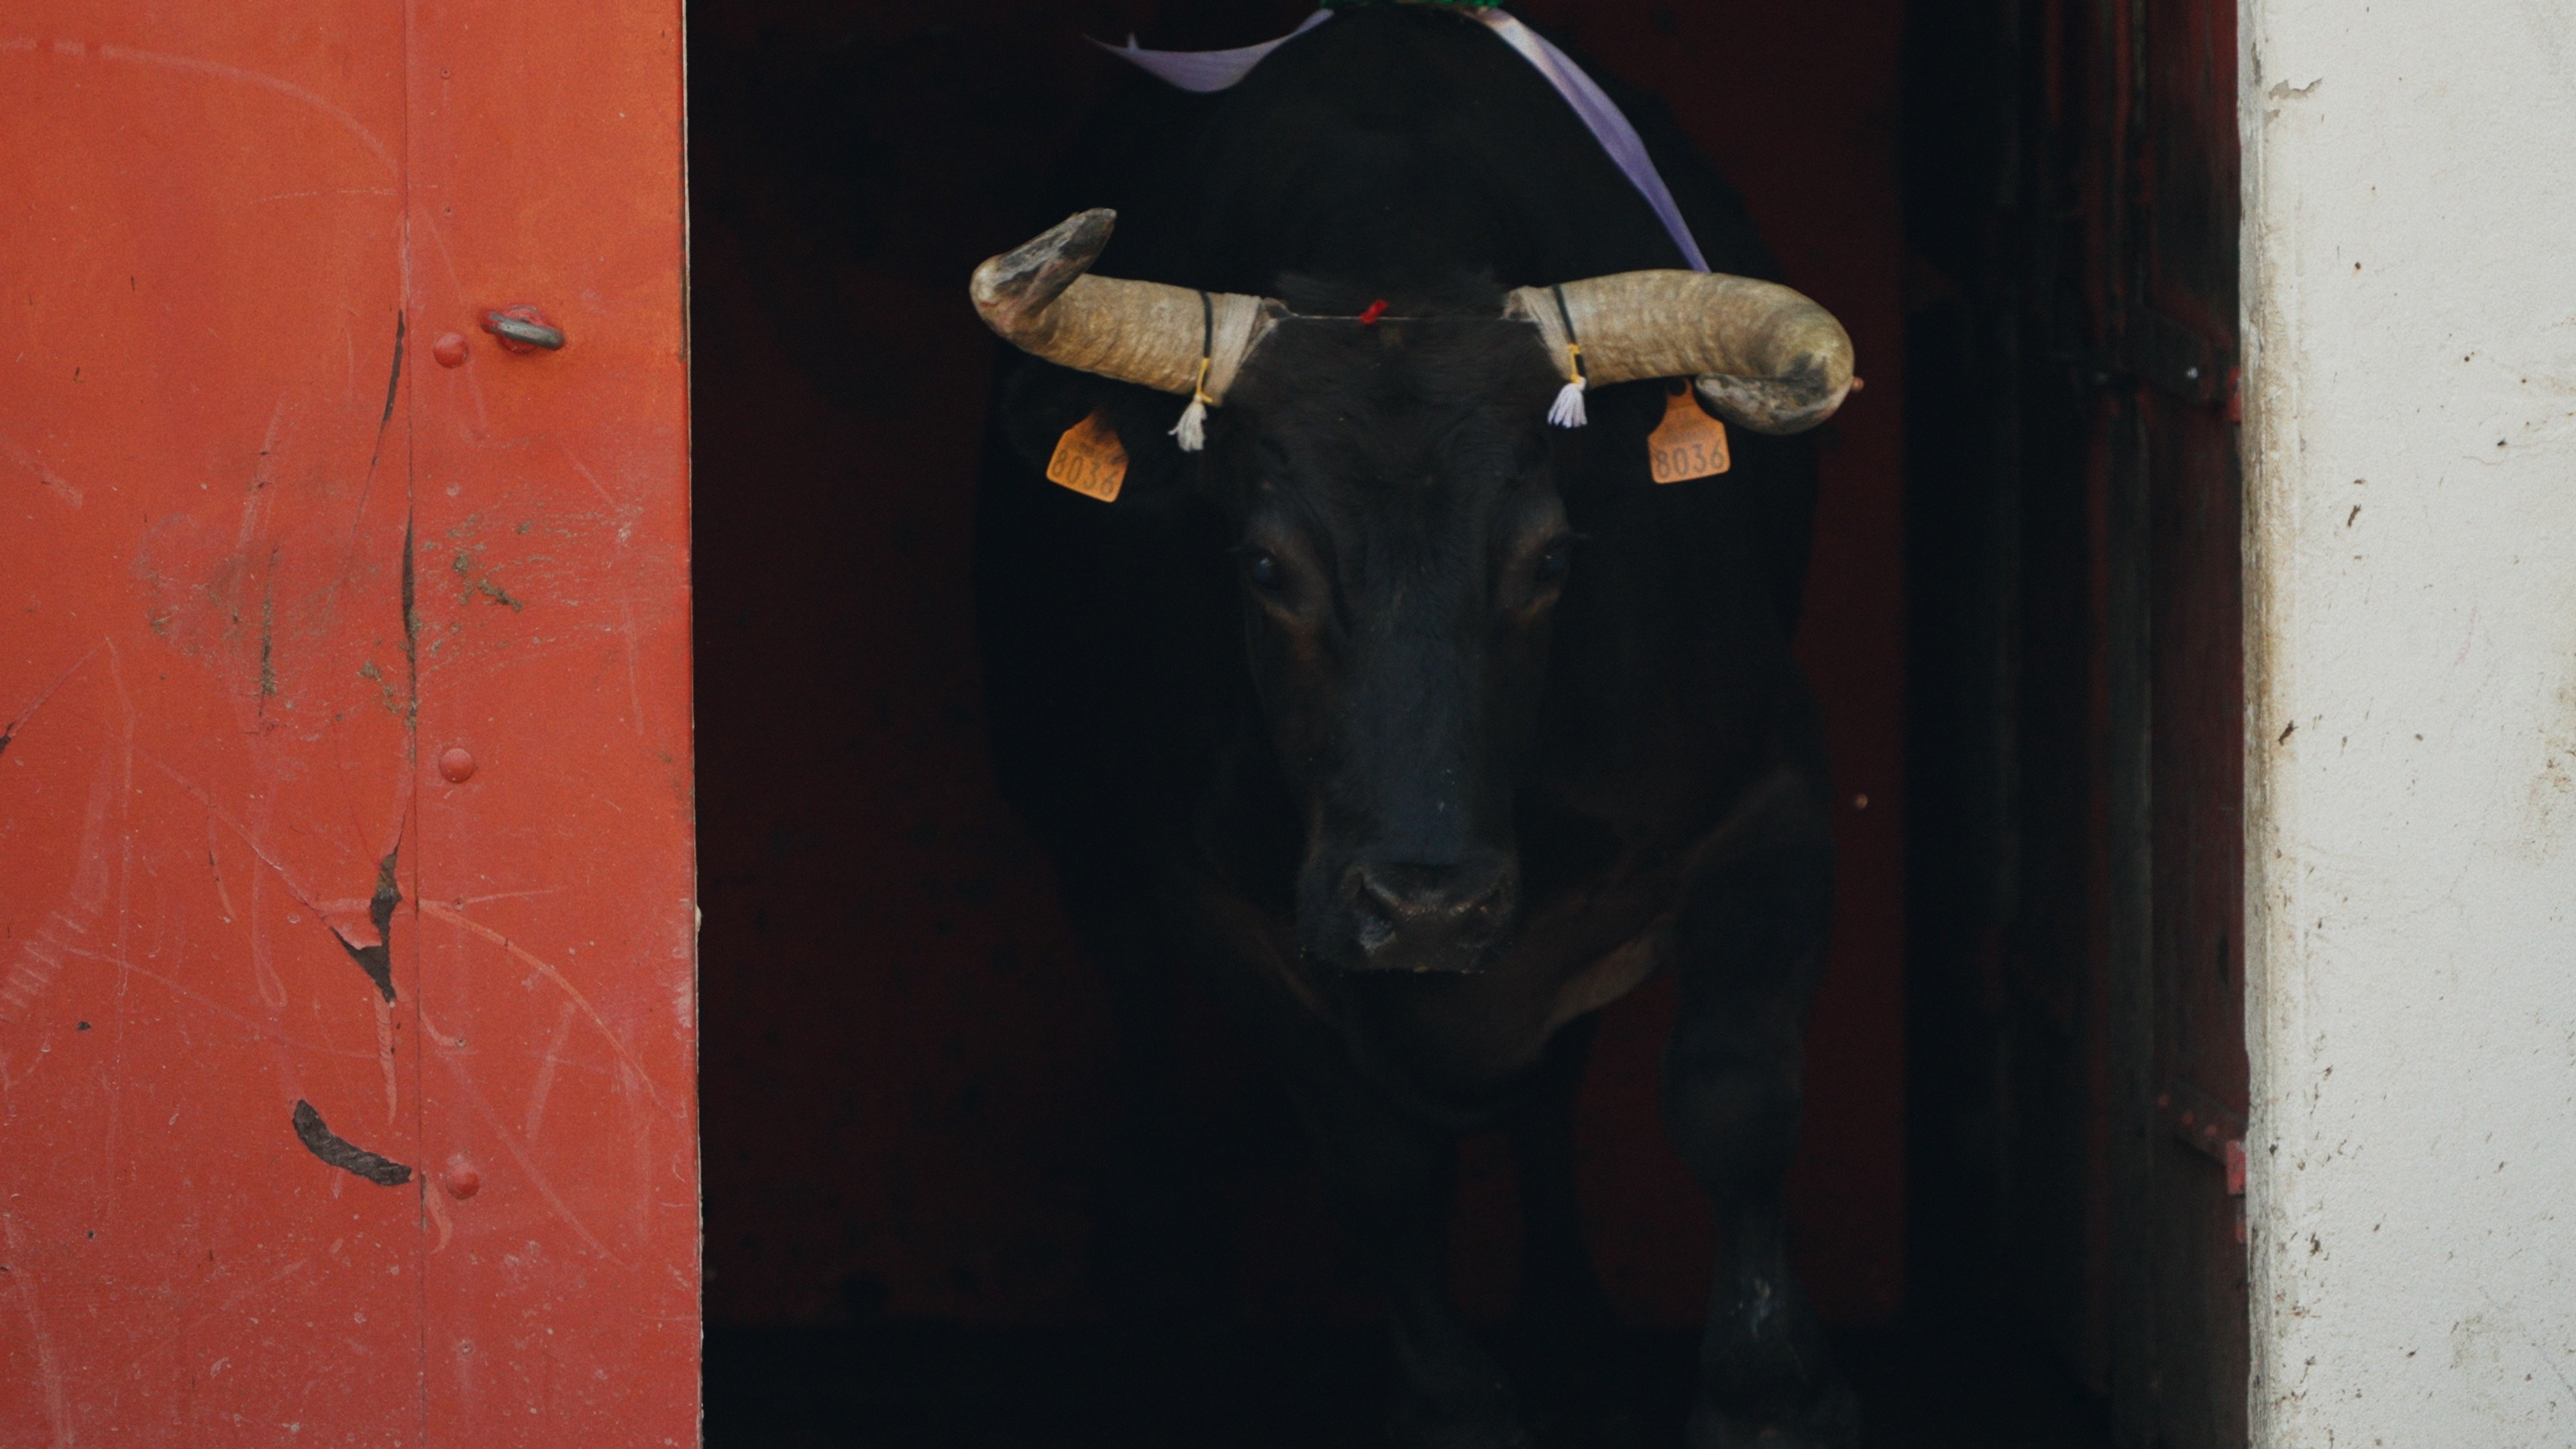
x: 904, y: 1058
x: 2076, y: 991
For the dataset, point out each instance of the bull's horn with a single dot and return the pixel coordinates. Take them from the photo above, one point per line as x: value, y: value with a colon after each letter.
x: 1764, y: 356
x: 1042, y: 299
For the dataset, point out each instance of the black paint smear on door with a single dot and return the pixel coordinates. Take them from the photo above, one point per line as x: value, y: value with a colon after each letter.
x: 344, y: 1154
x: 378, y: 960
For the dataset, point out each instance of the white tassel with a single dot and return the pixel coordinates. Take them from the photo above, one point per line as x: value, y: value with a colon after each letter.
x: 1192, y: 428
x: 1568, y: 412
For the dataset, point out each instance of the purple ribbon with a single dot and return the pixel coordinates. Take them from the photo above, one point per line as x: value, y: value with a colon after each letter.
x: 1216, y: 70
x: 1207, y: 70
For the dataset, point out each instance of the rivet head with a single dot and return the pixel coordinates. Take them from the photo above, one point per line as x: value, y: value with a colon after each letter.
x: 456, y: 764
x: 462, y: 1179
x: 449, y: 350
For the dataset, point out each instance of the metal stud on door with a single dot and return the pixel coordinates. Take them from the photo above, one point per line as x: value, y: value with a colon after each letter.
x: 551, y: 609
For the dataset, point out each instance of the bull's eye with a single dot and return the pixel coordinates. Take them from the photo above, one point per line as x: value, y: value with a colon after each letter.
x: 1553, y: 565
x: 1263, y: 570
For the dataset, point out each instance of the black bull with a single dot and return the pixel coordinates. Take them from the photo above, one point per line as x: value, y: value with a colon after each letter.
x: 1418, y: 729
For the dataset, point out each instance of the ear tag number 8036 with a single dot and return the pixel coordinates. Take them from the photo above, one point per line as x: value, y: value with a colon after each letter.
x: 1688, y: 443
x: 1089, y: 460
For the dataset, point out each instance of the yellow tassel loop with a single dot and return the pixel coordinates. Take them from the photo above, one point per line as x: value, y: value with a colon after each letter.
x: 1192, y: 428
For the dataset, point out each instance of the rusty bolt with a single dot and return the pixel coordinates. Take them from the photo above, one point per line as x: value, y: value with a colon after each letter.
x: 449, y: 350
x: 456, y: 764
x: 462, y: 1180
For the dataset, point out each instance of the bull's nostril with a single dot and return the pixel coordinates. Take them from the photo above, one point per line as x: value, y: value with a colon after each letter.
x: 1426, y: 901
x: 1375, y: 932
x: 1409, y: 915
x: 1385, y: 897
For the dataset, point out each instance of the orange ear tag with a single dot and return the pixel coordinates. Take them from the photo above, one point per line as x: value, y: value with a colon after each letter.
x: 1688, y: 443
x: 1089, y: 460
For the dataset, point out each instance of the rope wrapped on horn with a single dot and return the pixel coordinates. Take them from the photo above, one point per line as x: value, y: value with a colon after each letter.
x: 1567, y: 412
x: 1191, y: 430
x: 1763, y: 356
x: 1042, y: 298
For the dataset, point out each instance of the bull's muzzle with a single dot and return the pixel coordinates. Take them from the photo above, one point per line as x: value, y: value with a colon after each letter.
x: 1416, y: 917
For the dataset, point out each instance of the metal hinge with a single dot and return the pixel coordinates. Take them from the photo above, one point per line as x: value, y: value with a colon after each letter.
x: 2175, y: 358
x: 2210, y: 1129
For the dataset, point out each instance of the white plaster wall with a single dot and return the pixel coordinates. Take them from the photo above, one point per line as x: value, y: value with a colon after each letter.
x: 2410, y: 257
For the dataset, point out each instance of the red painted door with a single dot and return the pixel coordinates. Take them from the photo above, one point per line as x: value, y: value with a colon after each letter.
x: 2077, y: 504
x: 2183, y: 1068
x: 347, y: 977
x: 2141, y: 111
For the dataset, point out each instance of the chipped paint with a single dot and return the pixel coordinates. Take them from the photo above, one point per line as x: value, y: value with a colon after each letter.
x: 376, y: 957
x: 343, y: 1154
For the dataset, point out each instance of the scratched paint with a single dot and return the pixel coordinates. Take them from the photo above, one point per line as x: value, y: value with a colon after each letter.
x: 550, y: 600
x: 192, y: 580
x: 231, y: 1035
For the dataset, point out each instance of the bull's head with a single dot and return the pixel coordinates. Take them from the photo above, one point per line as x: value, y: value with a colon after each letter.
x: 1393, y: 495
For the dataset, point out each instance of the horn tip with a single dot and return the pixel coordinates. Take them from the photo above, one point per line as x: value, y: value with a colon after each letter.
x: 1037, y: 271
x: 1801, y: 399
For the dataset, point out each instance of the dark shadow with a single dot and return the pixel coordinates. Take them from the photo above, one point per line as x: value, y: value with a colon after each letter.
x: 889, y: 987
x: 919, y: 1385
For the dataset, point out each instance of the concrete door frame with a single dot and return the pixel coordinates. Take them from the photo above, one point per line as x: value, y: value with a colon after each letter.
x: 2410, y: 732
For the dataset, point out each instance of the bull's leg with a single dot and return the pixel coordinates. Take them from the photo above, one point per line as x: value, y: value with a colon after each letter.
x: 1162, y: 1251
x: 1749, y: 947
x: 1394, y: 1182
x: 1571, y: 1368
x: 1558, y: 1285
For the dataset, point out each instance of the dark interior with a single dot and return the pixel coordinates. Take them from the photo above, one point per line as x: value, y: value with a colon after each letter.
x: 904, y: 1057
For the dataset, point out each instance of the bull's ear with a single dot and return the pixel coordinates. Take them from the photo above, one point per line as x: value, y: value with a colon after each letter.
x: 1037, y: 402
